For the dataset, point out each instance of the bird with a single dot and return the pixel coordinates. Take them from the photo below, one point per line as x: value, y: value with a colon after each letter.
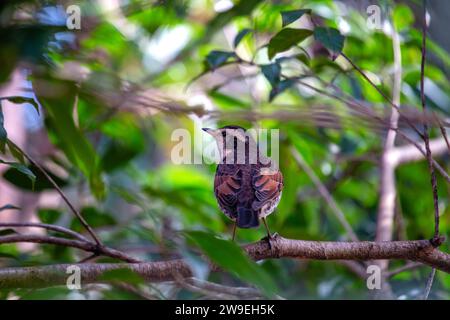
x: 249, y: 188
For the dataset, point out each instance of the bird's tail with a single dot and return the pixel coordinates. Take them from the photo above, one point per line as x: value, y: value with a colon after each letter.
x: 247, y: 218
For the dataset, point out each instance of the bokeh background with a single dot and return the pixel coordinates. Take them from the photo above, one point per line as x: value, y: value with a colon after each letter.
x: 99, y: 106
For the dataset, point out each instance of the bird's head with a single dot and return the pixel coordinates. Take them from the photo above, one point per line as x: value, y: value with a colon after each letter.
x: 227, y: 134
x: 230, y: 140
x: 235, y: 142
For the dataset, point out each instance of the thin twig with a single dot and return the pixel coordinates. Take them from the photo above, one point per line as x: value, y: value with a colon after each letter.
x: 381, y: 92
x: 425, y: 125
x: 82, y: 245
x: 180, y: 281
x: 427, y: 145
x: 429, y: 284
x: 443, y: 131
x: 132, y: 289
x: 436, y: 165
x: 63, y: 196
x: 399, y: 132
x: 88, y: 258
x: 325, y: 194
x: 409, y: 153
x: 238, y: 292
x: 407, y: 267
x: 51, y: 227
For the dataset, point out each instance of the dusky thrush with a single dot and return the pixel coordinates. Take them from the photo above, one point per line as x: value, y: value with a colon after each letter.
x: 247, y: 186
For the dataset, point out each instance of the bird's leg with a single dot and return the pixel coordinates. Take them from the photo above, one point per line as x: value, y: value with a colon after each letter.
x: 234, y: 230
x: 269, y: 235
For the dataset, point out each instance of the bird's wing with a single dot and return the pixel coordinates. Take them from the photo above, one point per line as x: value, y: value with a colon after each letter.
x: 226, y: 188
x: 268, y: 185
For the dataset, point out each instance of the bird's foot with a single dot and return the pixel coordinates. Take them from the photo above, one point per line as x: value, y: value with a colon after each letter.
x: 269, y: 238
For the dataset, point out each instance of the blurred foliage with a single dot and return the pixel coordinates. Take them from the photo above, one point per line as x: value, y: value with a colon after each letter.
x: 103, y: 92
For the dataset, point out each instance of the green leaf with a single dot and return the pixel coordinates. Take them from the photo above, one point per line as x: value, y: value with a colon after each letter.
x: 217, y: 58
x: 290, y: 16
x: 42, y: 183
x: 283, y: 85
x: 272, y: 73
x: 240, y: 36
x: 15, y: 152
x: 21, y: 100
x: 9, y: 207
x: 231, y: 257
x: 3, y: 134
x: 303, y: 58
x: 402, y: 16
x: 330, y: 38
x: 23, y: 169
x: 49, y: 216
x: 285, y: 39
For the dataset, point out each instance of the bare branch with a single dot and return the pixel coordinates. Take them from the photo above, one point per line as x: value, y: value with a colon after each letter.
x: 426, y: 136
x: 409, y: 153
x: 51, y: 227
x: 387, y: 189
x: 443, y: 131
x: 419, y: 250
x: 82, y: 245
x: 426, y: 139
x: 436, y: 165
x: 395, y: 106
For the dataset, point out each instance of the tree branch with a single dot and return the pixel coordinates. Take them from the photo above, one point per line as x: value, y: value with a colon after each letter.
x: 51, y: 227
x: 426, y: 138
x: 420, y: 149
x: 419, y: 250
x: 82, y: 245
x: 387, y: 186
x: 386, y: 206
x: 409, y: 153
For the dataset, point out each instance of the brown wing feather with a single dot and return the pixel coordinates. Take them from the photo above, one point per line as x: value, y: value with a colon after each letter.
x: 268, y: 187
x: 225, y: 189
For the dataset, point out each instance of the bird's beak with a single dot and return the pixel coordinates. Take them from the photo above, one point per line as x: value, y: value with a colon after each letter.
x: 210, y: 131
